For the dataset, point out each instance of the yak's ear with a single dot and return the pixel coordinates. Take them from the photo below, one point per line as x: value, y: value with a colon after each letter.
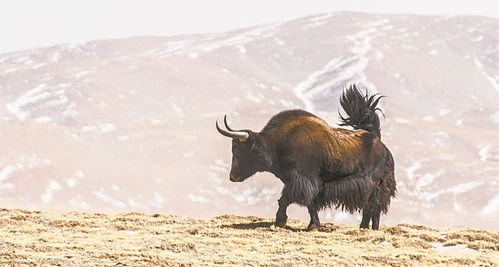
x: 248, y: 139
x: 244, y: 138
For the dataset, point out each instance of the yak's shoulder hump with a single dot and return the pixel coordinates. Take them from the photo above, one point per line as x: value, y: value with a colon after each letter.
x: 288, y: 116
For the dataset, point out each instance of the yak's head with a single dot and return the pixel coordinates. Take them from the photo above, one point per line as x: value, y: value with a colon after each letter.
x: 249, y: 152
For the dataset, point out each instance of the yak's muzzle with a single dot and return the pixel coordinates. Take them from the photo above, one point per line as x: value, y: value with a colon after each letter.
x: 235, y: 179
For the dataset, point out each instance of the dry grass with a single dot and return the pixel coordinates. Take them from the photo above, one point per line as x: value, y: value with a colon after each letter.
x: 137, y: 239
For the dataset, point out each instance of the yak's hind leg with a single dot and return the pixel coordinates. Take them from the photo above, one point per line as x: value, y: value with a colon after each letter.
x: 371, y: 211
x: 366, y: 217
x: 314, y: 217
x: 376, y: 214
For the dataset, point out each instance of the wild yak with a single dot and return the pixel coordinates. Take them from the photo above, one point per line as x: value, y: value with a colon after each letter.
x: 321, y: 166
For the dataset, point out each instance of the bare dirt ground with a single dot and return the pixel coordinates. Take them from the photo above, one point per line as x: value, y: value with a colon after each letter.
x: 33, y: 238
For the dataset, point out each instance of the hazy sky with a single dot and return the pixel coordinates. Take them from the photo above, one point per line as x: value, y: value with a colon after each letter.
x: 28, y: 24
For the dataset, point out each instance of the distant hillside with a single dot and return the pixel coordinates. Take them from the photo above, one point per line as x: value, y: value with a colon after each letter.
x: 132, y: 239
x: 128, y: 124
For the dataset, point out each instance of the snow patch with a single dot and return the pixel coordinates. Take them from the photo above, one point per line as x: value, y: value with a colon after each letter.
x: 102, y: 128
x: 195, y: 198
x: 32, y: 161
x: 78, y: 203
x: 286, y: 104
x: 187, y: 137
x: 72, y: 182
x: 433, y: 52
x: 215, y: 41
x: 495, y: 117
x: 49, y: 191
x: 486, y: 154
x: 388, y: 27
x: 412, y: 169
x: 32, y: 96
x: 491, y: 208
x: 123, y: 138
x: 107, y: 198
x: 55, y: 57
x: 10, y: 70
x: 247, y: 196
x: 427, y: 179
x: 213, y: 177
x: 279, y: 41
x: 457, y: 249
x: 159, y: 199
x: 222, y: 190
x: 260, y: 84
x: 7, y: 186
x: 242, y: 49
x: 41, y: 97
x: 218, y: 168
x: 322, y: 18
x: 342, y: 71
x: 457, y: 207
x: 276, y: 88
x: 6, y: 172
x: 82, y: 74
x: 222, y: 163
x: 492, y: 78
x: 342, y: 217
x: 133, y: 203
x: 43, y: 119
x: 250, y: 96
x: 37, y: 66
x: 404, y: 121
x: 443, y: 112
x: 175, y: 107
x: 463, y: 188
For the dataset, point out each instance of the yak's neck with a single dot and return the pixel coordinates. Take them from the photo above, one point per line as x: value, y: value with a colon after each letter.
x: 268, y: 154
x: 274, y: 165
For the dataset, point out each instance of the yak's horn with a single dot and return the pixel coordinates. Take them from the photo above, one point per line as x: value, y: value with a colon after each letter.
x: 242, y: 136
x: 227, y: 125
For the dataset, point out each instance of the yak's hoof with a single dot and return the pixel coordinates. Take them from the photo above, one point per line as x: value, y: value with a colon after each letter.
x: 281, y: 222
x: 364, y: 226
x: 313, y: 226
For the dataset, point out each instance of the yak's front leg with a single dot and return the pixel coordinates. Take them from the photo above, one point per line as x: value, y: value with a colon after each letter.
x: 281, y: 216
x: 314, y: 218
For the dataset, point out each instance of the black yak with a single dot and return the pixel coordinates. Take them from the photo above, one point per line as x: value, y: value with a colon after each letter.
x: 321, y: 166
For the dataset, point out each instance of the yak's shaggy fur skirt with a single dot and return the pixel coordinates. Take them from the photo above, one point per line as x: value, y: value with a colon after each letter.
x: 350, y: 193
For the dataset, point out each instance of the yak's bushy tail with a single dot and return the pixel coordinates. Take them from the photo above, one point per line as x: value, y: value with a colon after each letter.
x: 361, y: 110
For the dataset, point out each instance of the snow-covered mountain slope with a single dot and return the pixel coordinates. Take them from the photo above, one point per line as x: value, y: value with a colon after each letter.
x: 128, y: 124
